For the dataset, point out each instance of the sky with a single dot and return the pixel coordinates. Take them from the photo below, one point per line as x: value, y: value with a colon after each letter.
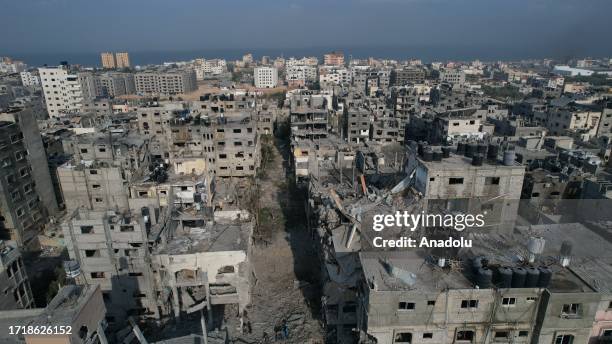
x: 518, y: 28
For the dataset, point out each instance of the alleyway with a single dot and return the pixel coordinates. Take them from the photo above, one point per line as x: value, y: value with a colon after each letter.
x: 284, y: 261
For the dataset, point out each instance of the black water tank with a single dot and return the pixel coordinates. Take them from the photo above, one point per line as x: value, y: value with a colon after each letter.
x: 427, y: 154
x: 519, y: 275
x: 437, y: 156
x: 446, y: 152
x: 482, y: 149
x: 477, y: 160
x: 545, y: 277
x: 504, y: 278
x: 484, y: 278
x: 492, y: 152
x: 533, y: 275
x: 420, y: 147
x: 564, y: 156
x: 470, y: 149
x: 460, y: 148
x: 477, y: 263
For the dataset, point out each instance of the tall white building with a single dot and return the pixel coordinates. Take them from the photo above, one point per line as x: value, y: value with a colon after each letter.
x: 29, y: 79
x: 265, y: 77
x: 62, y: 90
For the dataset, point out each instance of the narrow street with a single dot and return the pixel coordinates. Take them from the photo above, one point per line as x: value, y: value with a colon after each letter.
x: 285, y: 265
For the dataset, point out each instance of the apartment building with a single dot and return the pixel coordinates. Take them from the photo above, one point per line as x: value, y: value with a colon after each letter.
x: 170, y: 82
x: 23, y: 214
x: 108, y: 60
x: 452, y: 76
x: 110, y: 85
x: 30, y: 79
x: 300, y: 75
x: 79, y: 308
x: 62, y: 89
x: 14, y: 279
x: 334, y: 75
x: 309, y: 116
x: 407, y: 76
x: 265, y: 77
x: 473, y: 181
x: 335, y: 58
x: 26, y: 122
x: 122, y: 60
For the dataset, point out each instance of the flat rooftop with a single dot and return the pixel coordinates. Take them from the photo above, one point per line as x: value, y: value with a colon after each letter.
x: 408, y: 270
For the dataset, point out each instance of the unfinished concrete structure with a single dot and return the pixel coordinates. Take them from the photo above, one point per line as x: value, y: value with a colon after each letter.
x: 80, y: 308
x: 23, y: 215
x: 454, y: 182
x: 309, y: 116
x: 13, y: 279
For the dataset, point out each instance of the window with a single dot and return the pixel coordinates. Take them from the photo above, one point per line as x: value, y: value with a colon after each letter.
x: 127, y: 228
x: 501, y: 334
x: 93, y: 171
x: 531, y: 299
x: 610, y: 305
x: 431, y: 302
x: 403, y: 337
x: 406, y: 306
x: 570, y: 309
x: 564, y: 339
x: 453, y: 181
x: 92, y: 253
x: 222, y: 156
x: 469, y: 304
x: 523, y: 333
x: 508, y: 301
x: 95, y: 186
x: 86, y: 229
x: 465, y: 335
x: 349, y: 307
x: 606, y: 333
x: 99, y: 274
x: 427, y: 335
x: 135, y: 274
x: 491, y: 180
x: 83, y: 150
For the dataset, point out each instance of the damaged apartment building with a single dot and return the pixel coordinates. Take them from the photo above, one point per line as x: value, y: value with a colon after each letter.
x: 524, y: 284
x: 147, y: 231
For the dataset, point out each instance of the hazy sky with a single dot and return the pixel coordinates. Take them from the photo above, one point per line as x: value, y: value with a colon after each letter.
x: 549, y: 27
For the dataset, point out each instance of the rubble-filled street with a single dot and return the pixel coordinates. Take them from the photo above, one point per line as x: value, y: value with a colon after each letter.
x: 285, y: 265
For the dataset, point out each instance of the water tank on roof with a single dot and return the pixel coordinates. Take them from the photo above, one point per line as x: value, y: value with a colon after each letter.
x: 492, y: 152
x: 446, y: 152
x: 427, y: 154
x: 460, y: 148
x: 545, y: 277
x: 504, y: 277
x: 482, y: 149
x: 509, y: 157
x: 533, y: 275
x: 519, y: 275
x: 437, y: 155
x: 477, y: 160
x: 470, y: 150
x: 484, y: 278
x: 477, y: 263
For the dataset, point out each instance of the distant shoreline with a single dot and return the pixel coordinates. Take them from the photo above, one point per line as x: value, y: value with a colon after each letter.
x: 424, y: 53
